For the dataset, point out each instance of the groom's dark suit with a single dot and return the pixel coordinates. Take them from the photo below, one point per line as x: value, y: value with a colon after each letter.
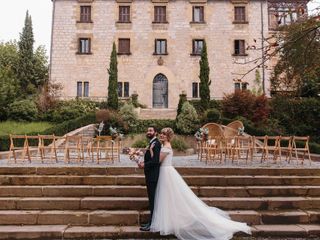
x: 151, y: 171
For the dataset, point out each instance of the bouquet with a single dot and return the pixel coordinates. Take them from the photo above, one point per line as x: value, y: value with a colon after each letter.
x: 135, y: 154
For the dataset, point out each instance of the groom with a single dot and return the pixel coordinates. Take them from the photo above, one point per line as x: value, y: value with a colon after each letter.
x: 151, y: 167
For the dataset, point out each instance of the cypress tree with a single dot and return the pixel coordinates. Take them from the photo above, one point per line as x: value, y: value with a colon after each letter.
x: 204, y: 79
x: 182, y: 100
x: 26, y: 70
x: 113, y: 80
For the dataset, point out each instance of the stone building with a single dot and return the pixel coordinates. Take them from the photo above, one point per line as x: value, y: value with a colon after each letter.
x: 159, y: 44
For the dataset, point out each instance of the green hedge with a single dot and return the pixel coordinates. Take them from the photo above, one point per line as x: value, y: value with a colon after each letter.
x: 59, y: 130
x: 299, y: 117
x: 142, y: 125
x: 212, y: 104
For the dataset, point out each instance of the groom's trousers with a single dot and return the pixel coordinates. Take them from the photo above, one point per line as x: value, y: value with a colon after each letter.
x: 151, y: 189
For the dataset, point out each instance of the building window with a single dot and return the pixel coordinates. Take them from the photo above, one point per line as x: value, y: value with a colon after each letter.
x: 82, y: 89
x: 160, y: 46
x: 85, y: 14
x: 79, y: 89
x: 123, y: 89
x: 197, y: 46
x: 237, y: 86
x: 240, y: 14
x: 124, y: 14
x: 195, y: 90
x: 239, y: 47
x: 240, y: 86
x: 160, y: 14
x: 84, y: 45
x: 198, y: 14
x: 86, y: 89
x: 244, y: 86
x: 124, y: 46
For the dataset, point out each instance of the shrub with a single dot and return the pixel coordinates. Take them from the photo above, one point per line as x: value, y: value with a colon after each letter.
x: 111, y: 118
x: 141, y: 143
x: 187, y: 121
x: 23, y: 110
x: 212, y: 115
x: 142, y: 124
x: 212, y: 104
x: 129, y: 116
x: 298, y: 116
x: 182, y: 100
x: 68, y: 110
x: 179, y: 144
x: 245, y: 104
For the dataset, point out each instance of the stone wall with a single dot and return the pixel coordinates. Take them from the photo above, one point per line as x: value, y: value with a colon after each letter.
x: 140, y: 68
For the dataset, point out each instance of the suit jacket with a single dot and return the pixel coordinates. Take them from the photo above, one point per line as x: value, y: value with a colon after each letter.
x: 152, y: 164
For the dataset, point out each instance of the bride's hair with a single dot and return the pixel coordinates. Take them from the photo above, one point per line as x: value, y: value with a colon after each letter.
x: 168, y: 132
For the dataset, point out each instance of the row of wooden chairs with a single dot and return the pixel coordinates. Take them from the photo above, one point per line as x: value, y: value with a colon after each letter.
x: 75, y: 147
x: 247, y: 147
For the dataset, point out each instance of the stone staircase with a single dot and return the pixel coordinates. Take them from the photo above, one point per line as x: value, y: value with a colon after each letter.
x: 157, y: 113
x: 103, y: 203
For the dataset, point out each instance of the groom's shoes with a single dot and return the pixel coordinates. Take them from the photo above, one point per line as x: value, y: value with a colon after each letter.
x: 145, y: 227
x: 144, y: 224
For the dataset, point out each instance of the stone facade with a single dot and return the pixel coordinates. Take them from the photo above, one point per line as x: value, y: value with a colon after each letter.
x: 179, y: 66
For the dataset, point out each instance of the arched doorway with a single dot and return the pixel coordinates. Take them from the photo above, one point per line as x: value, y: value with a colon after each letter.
x: 160, y: 91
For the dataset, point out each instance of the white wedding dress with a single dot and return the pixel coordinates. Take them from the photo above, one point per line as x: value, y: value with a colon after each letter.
x: 178, y: 211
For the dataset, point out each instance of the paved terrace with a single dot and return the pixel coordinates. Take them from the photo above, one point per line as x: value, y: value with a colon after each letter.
x: 178, y: 161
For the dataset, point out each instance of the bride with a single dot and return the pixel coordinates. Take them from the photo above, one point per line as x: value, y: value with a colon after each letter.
x: 178, y: 211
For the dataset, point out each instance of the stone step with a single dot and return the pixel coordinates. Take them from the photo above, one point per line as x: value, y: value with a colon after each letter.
x: 103, y: 170
x: 140, y: 191
x: 127, y: 218
x: 141, y: 203
x: 132, y: 232
x: 203, y: 180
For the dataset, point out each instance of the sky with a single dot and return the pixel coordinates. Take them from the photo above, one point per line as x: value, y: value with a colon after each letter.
x: 12, y: 15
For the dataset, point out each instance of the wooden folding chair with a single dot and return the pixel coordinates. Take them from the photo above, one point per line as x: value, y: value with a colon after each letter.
x: 103, y: 145
x: 304, y: 142
x: 48, y: 145
x: 285, y: 144
x: 214, y: 148
x: 14, y: 146
x: 243, y: 146
x: 273, y: 145
x: 87, y: 144
x: 32, y: 145
x: 73, y: 144
x: 259, y: 145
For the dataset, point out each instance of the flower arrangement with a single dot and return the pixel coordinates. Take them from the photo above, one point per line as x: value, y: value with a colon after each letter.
x: 115, y: 134
x: 135, y: 154
x: 202, y: 134
x: 241, y: 131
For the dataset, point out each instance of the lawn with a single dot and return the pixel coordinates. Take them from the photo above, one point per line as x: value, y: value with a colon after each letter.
x: 10, y: 127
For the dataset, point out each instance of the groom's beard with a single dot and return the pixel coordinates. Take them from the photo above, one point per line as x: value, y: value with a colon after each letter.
x: 150, y: 136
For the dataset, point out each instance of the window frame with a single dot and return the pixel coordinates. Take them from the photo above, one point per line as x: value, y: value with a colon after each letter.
x: 123, y: 89
x: 120, y: 45
x: 244, y: 15
x: 155, y: 46
x: 197, y: 90
x: 80, y: 47
x: 194, y: 53
x: 160, y: 17
x: 85, y: 17
x: 241, y: 48
x: 121, y: 14
x: 201, y: 14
